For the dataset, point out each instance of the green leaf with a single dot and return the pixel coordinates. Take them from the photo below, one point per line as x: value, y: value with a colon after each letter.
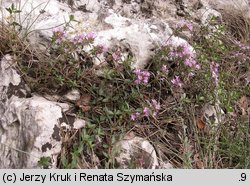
x: 17, y: 11
x: 9, y: 10
x: 15, y: 24
x: 102, y: 118
x: 105, y: 154
x: 118, y: 112
x: 71, y: 18
x: 105, y: 146
x: 109, y: 112
x: 91, y: 126
x: 115, y: 98
x: 12, y: 6
x: 106, y: 100
x: 44, y: 162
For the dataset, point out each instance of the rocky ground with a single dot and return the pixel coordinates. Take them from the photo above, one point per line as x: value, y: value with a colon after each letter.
x: 40, y: 123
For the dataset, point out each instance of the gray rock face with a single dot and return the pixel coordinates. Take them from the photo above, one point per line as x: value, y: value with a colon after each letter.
x: 136, y: 152
x: 29, y: 124
x: 139, y: 37
x: 26, y: 124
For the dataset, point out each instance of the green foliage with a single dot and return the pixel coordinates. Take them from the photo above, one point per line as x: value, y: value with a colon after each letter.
x: 44, y: 162
x: 12, y: 9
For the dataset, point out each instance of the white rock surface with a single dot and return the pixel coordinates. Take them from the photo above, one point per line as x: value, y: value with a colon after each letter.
x: 79, y: 123
x: 73, y: 95
x: 213, y: 114
x: 29, y: 125
x: 8, y: 74
x: 139, y: 37
x: 206, y: 14
x: 31, y: 121
x: 26, y: 124
x: 136, y: 151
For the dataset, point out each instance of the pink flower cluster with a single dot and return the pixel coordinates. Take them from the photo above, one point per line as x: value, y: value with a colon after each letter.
x: 142, y: 76
x: 241, y: 57
x: 164, y: 68
x: 154, y: 108
x: 84, y: 37
x: 163, y: 73
x: 100, y: 49
x: 134, y: 116
x: 190, y: 62
x: 185, y: 24
x: 146, y: 111
x: 214, y: 67
x: 184, y: 52
x: 242, y: 46
x: 59, y: 34
x: 177, y: 81
x: 116, y: 55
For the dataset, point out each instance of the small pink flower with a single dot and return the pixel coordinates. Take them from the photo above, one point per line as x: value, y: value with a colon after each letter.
x: 116, y: 55
x: 142, y: 76
x: 164, y: 68
x: 91, y: 36
x: 214, y: 67
x: 242, y: 46
x: 146, y: 111
x: 156, y: 105
x: 59, y: 34
x: 103, y: 48
x: 162, y: 79
x: 134, y: 116
x: 84, y: 37
x: 190, y: 62
x: 176, y: 81
x: 155, y: 113
x: 79, y: 38
x: 186, y: 51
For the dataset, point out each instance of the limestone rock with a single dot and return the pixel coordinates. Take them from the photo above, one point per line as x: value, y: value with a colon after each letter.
x: 206, y: 14
x: 79, y: 123
x: 29, y: 123
x: 73, y: 95
x: 26, y: 124
x: 138, y: 37
x: 136, y: 152
x: 213, y: 114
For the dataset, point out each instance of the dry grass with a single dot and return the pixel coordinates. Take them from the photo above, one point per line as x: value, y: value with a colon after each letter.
x: 238, y: 23
x: 9, y: 40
